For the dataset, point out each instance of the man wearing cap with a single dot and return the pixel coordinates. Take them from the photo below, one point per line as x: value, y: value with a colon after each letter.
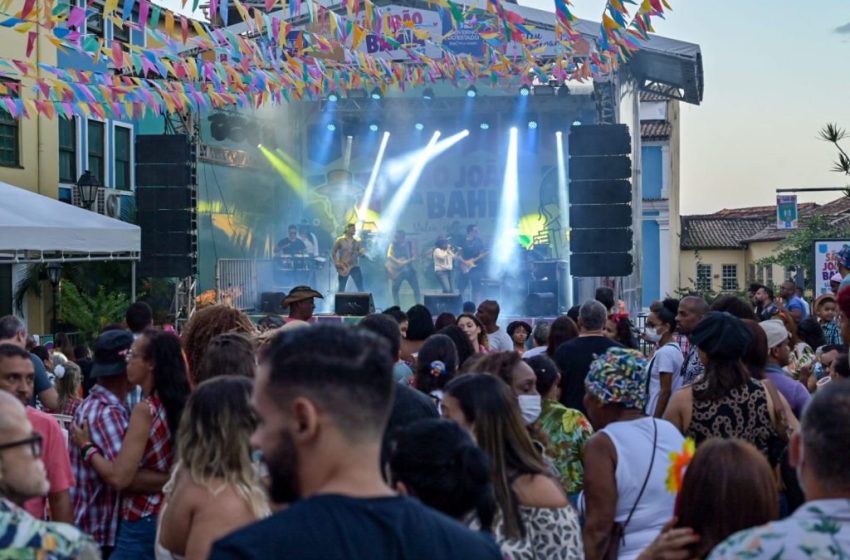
x: 96, y: 503
x: 17, y: 377
x: 300, y: 303
x: 835, y: 282
x: 779, y: 356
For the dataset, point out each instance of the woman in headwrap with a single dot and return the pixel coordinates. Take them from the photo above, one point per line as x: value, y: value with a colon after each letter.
x: 625, y: 461
x: 726, y: 401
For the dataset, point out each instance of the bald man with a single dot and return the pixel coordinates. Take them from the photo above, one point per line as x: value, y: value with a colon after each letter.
x: 23, y: 476
x: 691, y: 310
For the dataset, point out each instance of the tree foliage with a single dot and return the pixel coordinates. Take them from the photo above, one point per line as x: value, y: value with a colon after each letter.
x: 795, y: 251
x: 88, y: 314
x: 834, y: 134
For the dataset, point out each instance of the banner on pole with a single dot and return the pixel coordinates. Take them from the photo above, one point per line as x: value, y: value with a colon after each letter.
x: 786, y: 211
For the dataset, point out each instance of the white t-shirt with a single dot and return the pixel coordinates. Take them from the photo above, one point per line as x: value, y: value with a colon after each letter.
x: 500, y: 341
x: 536, y: 351
x: 442, y: 259
x: 667, y: 359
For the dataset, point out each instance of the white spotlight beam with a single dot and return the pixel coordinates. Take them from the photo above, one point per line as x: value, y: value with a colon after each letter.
x: 504, y: 242
x: 390, y: 217
x: 370, y: 187
x: 564, y: 210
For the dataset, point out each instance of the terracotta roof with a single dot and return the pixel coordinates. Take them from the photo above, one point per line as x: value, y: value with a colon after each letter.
x: 731, y: 228
x: 708, y: 232
x: 655, y: 130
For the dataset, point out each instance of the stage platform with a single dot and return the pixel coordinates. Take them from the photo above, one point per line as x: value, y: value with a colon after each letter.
x: 353, y: 320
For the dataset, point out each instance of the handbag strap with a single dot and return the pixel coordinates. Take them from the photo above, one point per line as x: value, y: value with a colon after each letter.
x: 645, y: 480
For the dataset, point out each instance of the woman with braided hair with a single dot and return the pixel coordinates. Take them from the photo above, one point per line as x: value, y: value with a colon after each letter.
x: 206, y: 324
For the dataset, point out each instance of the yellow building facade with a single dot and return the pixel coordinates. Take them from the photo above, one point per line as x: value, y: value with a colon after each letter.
x: 29, y: 149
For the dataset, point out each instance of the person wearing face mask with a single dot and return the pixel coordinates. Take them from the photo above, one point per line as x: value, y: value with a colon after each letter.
x: 518, y: 375
x: 535, y: 518
x: 666, y: 364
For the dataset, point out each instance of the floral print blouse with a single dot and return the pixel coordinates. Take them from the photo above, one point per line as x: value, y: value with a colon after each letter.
x: 568, y: 430
x: 818, y: 529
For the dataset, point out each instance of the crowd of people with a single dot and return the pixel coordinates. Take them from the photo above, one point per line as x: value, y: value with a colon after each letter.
x: 720, y: 430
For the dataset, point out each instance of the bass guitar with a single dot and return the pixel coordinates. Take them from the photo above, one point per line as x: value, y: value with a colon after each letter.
x: 468, y: 264
x: 396, y: 268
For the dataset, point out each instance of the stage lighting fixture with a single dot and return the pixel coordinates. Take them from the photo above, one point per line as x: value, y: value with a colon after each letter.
x: 471, y: 91
x: 238, y: 129
x: 419, y: 126
x: 357, y: 93
x: 373, y: 127
x: 524, y: 90
x: 532, y: 124
x: 252, y: 135
x: 333, y: 97
x: 485, y: 126
x: 428, y: 94
x: 331, y: 127
x: 218, y: 126
x: 376, y: 94
x: 576, y: 123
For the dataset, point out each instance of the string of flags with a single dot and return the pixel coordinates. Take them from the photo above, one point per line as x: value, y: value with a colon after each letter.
x: 292, y: 50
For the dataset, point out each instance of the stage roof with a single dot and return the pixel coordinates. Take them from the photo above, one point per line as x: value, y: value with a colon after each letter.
x: 35, y: 228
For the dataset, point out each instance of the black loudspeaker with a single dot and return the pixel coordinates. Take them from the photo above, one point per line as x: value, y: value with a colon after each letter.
x: 443, y: 303
x: 600, y: 200
x: 601, y: 264
x: 543, y: 304
x: 166, y: 216
x: 354, y: 303
x: 272, y: 302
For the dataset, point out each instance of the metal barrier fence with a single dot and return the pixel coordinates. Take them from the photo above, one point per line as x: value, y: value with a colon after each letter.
x: 236, y: 279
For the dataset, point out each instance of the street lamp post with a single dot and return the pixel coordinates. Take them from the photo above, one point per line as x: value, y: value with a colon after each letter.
x: 88, y: 186
x: 54, y: 274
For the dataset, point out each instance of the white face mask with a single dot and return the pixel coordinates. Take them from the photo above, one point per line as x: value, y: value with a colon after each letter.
x: 530, y: 406
x: 651, y: 334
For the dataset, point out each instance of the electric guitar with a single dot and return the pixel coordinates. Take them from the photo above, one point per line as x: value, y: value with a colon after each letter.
x: 468, y: 264
x: 396, y: 268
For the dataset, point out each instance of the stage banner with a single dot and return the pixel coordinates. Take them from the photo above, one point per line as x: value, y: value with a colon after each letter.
x: 826, y: 262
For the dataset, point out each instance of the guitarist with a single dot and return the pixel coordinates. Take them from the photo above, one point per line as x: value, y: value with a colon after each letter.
x: 471, y: 271
x: 400, y: 266
x: 346, y: 253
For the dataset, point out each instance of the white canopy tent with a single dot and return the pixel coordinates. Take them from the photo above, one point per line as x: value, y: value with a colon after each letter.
x: 38, y: 229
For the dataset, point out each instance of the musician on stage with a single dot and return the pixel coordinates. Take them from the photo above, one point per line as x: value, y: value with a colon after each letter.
x: 346, y: 256
x: 471, y: 272
x: 444, y: 263
x: 400, y: 268
x: 291, y: 244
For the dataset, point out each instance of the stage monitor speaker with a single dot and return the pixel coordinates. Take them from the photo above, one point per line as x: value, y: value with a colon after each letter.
x: 354, y: 303
x: 272, y: 302
x: 443, y: 303
x: 543, y: 304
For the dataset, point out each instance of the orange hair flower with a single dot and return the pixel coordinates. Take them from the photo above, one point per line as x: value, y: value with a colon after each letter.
x: 678, y: 465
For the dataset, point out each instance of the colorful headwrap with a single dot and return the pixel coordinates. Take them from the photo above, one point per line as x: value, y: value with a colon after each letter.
x: 618, y: 377
x: 844, y: 256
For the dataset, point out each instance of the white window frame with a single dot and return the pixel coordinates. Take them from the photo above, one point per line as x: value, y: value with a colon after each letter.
x: 699, y: 280
x: 723, y: 277
x: 132, y: 128
x: 107, y: 138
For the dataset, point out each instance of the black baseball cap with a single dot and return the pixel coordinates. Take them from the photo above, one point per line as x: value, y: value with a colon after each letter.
x: 110, y: 353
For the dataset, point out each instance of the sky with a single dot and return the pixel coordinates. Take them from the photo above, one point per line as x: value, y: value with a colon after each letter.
x: 775, y: 74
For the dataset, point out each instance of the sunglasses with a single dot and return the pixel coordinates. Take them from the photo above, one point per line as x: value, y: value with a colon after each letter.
x: 35, y: 441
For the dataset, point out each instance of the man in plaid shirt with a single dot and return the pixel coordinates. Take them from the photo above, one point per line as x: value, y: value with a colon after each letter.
x: 97, y: 505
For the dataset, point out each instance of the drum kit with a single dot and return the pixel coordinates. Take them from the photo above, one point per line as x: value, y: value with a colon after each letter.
x: 299, y: 261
